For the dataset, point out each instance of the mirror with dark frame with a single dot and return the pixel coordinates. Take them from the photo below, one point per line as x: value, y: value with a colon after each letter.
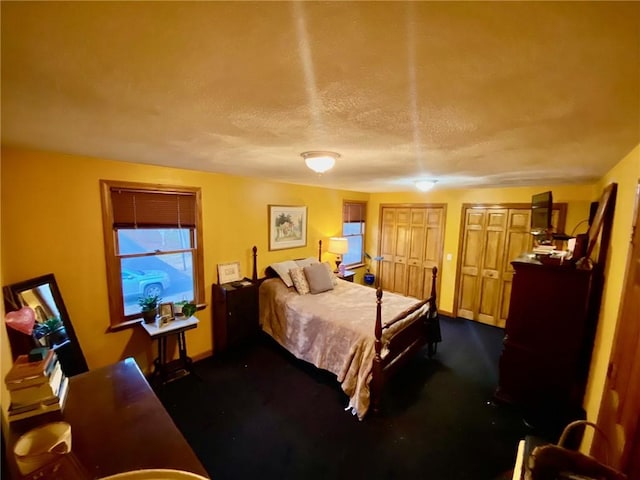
x: 53, y: 327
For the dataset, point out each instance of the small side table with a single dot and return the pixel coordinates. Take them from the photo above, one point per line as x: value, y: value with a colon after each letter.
x: 347, y: 275
x: 164, y: 370
x: 235, y: 314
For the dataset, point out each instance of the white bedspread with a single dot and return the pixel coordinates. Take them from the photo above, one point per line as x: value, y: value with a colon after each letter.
x: 333, y: 330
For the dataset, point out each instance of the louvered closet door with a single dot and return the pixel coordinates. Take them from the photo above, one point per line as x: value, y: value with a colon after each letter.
x: 411, y: 244
x: 387, y: 247
x: 518, y: 240
x: 402, y: 234
x: 491, y: 265
x: 492, y: 237
x: 471, y: 262
x: 433, y: 247
x: 394, y: 246
x: 415, y: 252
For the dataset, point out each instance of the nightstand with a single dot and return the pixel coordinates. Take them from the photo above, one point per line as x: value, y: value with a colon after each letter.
x: 347, y: 275
x: 235, y: 314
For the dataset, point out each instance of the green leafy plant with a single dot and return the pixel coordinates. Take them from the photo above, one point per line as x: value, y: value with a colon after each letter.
x: 189, y: 309
x: 149, y: 303
x: 48, y: 326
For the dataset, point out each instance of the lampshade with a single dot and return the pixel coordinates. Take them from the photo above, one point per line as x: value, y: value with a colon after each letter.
x: 425, y: 185
x: 338, y: 245
x: 320, y: 161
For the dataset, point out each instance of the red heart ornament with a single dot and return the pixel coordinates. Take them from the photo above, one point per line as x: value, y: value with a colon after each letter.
x: 22, y: 320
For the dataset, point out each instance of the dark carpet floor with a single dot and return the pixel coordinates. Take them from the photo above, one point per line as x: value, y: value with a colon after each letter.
x: 257, y: 412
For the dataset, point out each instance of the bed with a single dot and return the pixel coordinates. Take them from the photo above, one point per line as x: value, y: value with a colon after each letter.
x: 354, y: 331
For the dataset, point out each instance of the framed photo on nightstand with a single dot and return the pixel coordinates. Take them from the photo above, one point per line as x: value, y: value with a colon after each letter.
x: 229, y: 272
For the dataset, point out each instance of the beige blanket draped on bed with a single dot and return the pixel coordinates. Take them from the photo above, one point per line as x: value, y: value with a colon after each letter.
x: 333, y: 330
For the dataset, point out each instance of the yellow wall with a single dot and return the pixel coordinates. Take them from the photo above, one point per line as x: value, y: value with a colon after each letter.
x: 5, y: 351
x: 626, y: 174
x: 52, y: 224
x: 577, y: 197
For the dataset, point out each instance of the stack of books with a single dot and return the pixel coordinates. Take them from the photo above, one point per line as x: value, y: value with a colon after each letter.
x: 36, y: 387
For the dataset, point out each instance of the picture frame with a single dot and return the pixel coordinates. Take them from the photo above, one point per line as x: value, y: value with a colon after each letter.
x: 165, y: 310
x: 229, y: 272
x: 287, y: 226
x: 602, y: 216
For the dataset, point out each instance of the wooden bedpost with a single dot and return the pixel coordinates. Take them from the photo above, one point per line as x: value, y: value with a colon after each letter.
x: 255, y: 264
x: 432, y: 322
x: 320, y: 250
x: 376, y: 372
x: 434, y: 275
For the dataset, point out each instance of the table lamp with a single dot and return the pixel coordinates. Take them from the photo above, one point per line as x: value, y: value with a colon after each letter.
x: 338, y: 246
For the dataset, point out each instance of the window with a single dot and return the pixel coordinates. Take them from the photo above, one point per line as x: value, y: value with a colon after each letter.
x: 153, y: 245
x: 353, y: 215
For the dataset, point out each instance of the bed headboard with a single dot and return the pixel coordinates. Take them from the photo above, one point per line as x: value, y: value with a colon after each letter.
x: 269, y: 273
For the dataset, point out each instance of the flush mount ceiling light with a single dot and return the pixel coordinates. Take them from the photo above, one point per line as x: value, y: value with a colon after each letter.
x: 320, y: 161
x: 425, y: 185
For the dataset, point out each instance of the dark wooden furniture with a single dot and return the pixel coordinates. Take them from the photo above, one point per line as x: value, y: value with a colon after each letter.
x: 548, y: 339
x: 165, y: 370
x: 551, y: 326
x: 348, y: 275
x: 420, y: 331
x: 117, y: 425
x: 235, y: 314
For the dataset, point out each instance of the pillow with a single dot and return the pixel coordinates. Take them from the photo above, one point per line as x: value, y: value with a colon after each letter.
x: 303, y: 262
x: 318, y: 278
x: 282, y: 269
x: 332, y: 275
x: 299, y: 280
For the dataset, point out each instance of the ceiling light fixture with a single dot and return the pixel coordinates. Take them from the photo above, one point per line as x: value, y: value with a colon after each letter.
x: 320, y: 161
x: 425, y: 185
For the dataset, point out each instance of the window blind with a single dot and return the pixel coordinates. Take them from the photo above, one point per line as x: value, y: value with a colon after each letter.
x: 353, y: 212
x: 143, y: 209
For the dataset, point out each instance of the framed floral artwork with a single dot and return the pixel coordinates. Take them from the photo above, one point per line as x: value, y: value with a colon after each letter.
x: 287, y: 226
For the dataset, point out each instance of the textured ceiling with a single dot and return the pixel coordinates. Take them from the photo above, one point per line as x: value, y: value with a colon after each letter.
x: 470, y: 94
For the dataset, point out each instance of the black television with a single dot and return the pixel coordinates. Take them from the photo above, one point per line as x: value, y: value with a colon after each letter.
x: 541, y: 207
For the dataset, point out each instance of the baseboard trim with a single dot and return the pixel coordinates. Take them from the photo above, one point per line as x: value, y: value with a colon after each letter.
x: 202, y: 356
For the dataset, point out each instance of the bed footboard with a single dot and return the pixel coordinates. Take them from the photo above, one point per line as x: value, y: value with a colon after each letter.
x: 422, y: 330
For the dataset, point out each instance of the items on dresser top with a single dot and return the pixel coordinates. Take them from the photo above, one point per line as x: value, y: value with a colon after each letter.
x: 117, y: 425
x: 35, y: 387
x: 42, y: 445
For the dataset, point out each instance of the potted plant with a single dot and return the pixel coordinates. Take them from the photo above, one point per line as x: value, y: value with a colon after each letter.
x: 370, y: 278
x: 149, y: 307
x: 189, y: 309
x: 178, y: 306
x: 51, y: 332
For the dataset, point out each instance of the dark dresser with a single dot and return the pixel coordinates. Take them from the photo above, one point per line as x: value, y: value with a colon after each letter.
x: 548, y: 339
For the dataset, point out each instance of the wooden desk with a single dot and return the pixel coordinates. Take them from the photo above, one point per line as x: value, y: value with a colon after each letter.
x: 163, y: 369
x: 117, y: 425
